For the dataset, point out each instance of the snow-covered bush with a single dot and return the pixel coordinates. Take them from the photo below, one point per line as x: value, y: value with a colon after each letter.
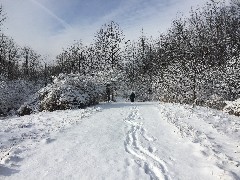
x: 14, y: 93
x: 215, y: 102
x: 66, y: 92
x: 233, y: 107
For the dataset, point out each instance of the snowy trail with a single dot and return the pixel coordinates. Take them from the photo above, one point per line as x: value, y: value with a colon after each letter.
x: 152, y: 165
x: 127, y: 141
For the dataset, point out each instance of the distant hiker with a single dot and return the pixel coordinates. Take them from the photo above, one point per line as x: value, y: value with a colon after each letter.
x: 149, y: 94
x: 108, y: 92
x: 132, y: 97
x: 149, y: 91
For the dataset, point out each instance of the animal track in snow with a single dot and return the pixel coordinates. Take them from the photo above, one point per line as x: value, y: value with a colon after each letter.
x: 144, y: 156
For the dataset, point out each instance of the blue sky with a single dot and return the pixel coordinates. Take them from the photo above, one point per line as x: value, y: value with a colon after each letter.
x: 50, y: 25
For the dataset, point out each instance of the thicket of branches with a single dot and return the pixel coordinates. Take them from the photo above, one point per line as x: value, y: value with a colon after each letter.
x: 197, y: 58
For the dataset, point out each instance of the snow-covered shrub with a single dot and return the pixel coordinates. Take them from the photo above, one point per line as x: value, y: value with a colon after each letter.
x: 215, y: 102
x: 14, y: 93
x: 66, y: 92
x: 233, y: 107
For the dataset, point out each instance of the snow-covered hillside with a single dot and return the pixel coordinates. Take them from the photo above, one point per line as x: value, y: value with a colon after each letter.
x: 122, y: 141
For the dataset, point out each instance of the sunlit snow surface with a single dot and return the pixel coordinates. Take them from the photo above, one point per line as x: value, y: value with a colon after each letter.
x: 122, y: 140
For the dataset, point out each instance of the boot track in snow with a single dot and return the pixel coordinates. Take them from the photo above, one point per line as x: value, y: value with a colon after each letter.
x: 144, y: 157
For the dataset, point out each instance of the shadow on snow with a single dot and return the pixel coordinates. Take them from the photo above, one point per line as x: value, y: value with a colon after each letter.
x: 118, y: 105
x: 5, y: 171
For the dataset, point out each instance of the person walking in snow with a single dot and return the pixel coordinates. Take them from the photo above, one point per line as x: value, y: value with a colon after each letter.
x: 132, y: 97
x: 108, y: 92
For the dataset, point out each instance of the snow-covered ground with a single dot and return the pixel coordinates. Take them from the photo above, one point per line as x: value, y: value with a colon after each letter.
x: 143, y: 140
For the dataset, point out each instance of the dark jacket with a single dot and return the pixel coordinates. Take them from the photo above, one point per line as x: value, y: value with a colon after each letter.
x: 132, y: 96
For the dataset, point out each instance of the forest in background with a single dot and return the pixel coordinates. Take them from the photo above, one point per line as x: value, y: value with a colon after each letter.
x: 197, y: 60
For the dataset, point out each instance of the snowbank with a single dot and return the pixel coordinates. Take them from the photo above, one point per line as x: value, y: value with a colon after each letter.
x: 66, y: 92
x: 233, y: 107
x: 215, y: 102
x: 19, y: 134
x: 14, y: 93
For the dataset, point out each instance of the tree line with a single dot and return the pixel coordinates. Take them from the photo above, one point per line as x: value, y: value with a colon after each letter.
x: 199, y: 56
